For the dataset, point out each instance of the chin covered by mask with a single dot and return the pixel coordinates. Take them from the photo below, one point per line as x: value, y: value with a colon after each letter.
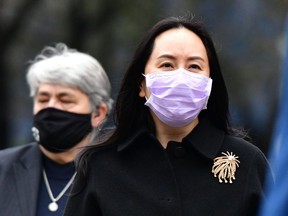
x: 177, y: 97
x: 57, y: 130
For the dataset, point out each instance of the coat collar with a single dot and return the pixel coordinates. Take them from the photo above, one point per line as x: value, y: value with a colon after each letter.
x: 204, y: 138
x: 132, y: 139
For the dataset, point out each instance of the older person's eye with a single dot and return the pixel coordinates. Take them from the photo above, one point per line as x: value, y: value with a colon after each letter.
x: 67, y: 101
x: 41, y: 99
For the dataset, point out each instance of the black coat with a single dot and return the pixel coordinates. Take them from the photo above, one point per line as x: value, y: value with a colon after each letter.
x: 140, y: 178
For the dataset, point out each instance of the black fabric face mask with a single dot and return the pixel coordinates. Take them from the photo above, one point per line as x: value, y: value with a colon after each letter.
x: 57, y: 130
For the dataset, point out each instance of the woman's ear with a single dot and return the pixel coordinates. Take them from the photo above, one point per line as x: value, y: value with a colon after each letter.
x: 142, y: 86
x: 99, y: 115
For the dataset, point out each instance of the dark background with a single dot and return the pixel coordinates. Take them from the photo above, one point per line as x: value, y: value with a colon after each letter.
x: 249, y: 38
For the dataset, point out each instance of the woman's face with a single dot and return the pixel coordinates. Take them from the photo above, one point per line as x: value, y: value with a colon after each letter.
x: 177, y: 48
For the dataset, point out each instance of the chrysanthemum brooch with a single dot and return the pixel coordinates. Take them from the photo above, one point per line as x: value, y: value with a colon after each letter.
x: 224, y: 167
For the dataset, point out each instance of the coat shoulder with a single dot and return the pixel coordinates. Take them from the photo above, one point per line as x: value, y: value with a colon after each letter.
x: 250, y: 156
x: 239, y: 144
x: 12, y: 154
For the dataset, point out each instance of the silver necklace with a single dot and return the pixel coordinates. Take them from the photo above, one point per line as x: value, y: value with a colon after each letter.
x: 53, y: 206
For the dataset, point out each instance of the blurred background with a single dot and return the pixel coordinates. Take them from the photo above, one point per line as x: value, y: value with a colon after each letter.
x: 248, y: 34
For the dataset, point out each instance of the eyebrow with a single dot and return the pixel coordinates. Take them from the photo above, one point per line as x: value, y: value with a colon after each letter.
x: 166, y: 56
x: 173, y: 57
x: 61, y: 94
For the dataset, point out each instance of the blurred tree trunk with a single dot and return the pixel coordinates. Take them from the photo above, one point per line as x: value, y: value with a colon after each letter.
x: 88, y: 17
x: 77, y: 24
x: 8, y: 32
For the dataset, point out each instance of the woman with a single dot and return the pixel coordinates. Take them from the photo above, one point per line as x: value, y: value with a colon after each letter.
x: 174, y: 151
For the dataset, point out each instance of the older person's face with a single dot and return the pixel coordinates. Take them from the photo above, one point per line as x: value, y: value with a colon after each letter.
x: 61, y: 97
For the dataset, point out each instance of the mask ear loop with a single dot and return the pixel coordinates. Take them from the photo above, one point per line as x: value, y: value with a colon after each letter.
x: 140, y: 84
x: 141, y: 80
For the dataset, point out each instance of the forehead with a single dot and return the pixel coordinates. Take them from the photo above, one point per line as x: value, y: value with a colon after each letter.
x: 179, y: 40
x: 46, y: 88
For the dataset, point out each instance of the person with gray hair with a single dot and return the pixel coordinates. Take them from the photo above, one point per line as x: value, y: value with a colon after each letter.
x: 71, y: 101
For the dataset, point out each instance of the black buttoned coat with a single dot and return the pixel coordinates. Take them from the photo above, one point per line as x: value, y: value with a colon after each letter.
x: 139, y: 177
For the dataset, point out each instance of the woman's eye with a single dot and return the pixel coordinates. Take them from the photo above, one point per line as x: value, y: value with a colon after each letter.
x: 195, y: 66
x: 166, y: 65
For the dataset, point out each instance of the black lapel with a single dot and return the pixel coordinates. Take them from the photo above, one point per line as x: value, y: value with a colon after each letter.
x: 27, y: 178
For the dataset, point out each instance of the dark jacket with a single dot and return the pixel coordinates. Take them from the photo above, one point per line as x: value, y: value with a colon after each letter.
x: 139, y: 177
x: 20, y: 172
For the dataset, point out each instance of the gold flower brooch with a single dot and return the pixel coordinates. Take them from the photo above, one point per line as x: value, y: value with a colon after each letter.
x: 224, y: 167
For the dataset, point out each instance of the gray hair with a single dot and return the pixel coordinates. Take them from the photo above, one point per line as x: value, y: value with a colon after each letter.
x: 64, y: 66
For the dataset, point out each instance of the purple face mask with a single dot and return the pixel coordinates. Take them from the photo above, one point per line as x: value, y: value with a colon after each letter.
x: 177, y: 97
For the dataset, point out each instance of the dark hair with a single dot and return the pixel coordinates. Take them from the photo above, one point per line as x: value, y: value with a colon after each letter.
x: 131, y: 114
x: 130, y: 111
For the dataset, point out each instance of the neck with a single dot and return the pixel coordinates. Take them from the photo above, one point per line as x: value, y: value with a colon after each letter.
x: 67, y: 156
x: 165, y: 133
